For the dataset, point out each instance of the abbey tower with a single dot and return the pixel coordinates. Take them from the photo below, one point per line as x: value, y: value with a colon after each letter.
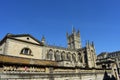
x: 74, y: 41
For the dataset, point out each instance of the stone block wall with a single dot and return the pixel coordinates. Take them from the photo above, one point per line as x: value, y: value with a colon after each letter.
x: 84, y: 75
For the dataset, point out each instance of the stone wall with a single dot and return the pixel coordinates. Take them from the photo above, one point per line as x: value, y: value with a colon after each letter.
x: 83, y: 75
x: 14, y: 48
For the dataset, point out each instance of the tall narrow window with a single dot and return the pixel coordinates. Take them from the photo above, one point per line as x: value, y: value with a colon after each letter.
x: 74, y: 57
x: 69, y: 57
x: 57, y: 56
x: 80, y: 57
x: 63, y: 56
x: 50, y: 55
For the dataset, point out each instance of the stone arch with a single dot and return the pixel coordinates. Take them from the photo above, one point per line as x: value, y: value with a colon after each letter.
x: 80, y: 57
x: 104, y: 66
x: 74, y: 57
x: 26, y: 51
x: 63, y: 56
x: 69, y: 57
x: 57, y: 55
x: 50, y: 54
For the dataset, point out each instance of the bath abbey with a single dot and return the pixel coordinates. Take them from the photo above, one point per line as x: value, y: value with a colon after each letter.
x: 23, y: 57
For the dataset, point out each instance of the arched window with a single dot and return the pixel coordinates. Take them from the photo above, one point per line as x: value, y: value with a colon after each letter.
x: 104, y: 66
x: 57, y: 56
x: 50, y: 55
x: 69, y: 57
x: 63, y: 56
x: 80, y: 57
x: 74, y: 57
x: 26, y: 51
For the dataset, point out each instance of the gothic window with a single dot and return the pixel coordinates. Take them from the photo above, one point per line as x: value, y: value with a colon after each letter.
x: 80, y: 57
x: 74, y: 57
x: 26, y: 51
x: 50, y: 55
x: 57, y: 56
x: 85, y: 57
x: 63, y: 56
x: 92, y: 51
x: 72, y: 44
x: 69, y: 57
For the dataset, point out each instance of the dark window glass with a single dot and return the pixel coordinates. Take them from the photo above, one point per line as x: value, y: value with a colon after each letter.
x: 26, y: 51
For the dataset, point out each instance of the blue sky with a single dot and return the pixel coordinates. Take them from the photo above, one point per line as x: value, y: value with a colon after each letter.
x: 97, y: 20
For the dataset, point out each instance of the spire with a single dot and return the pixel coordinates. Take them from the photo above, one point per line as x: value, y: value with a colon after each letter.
x: 43, y: 40
x: 78, y: 32
x: 92, y: 43
x: 87, y: 43
x: 73, y: 29
x: 67, y: 34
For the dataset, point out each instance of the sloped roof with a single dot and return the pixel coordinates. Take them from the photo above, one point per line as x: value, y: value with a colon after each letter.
x: 102, y: 54
x: 11, y: 36
x: 27, y: 61
x: 117, y: 52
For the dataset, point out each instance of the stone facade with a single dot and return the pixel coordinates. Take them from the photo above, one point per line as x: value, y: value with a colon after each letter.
x: 74, y: 55
x: 113, y: 55
x: 89, y: 75
x: 28, y: 58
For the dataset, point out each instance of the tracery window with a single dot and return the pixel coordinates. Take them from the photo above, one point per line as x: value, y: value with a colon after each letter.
x: 57, y: 56
x: 63, y: 56
x: 74, y: 57
x: 80, y: 57
x: 26, y: 51
x: 50, y: 55
x: 69, y: 57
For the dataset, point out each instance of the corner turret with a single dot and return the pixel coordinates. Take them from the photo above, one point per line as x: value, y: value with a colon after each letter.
x: 43, y: 40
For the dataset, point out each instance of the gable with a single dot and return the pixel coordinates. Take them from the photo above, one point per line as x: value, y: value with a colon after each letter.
x: 23, y: 37
x: 27, y: 38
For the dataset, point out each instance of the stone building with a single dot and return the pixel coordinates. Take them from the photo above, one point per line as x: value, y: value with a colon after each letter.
x: 23, y: 57
x: 114, y: 56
